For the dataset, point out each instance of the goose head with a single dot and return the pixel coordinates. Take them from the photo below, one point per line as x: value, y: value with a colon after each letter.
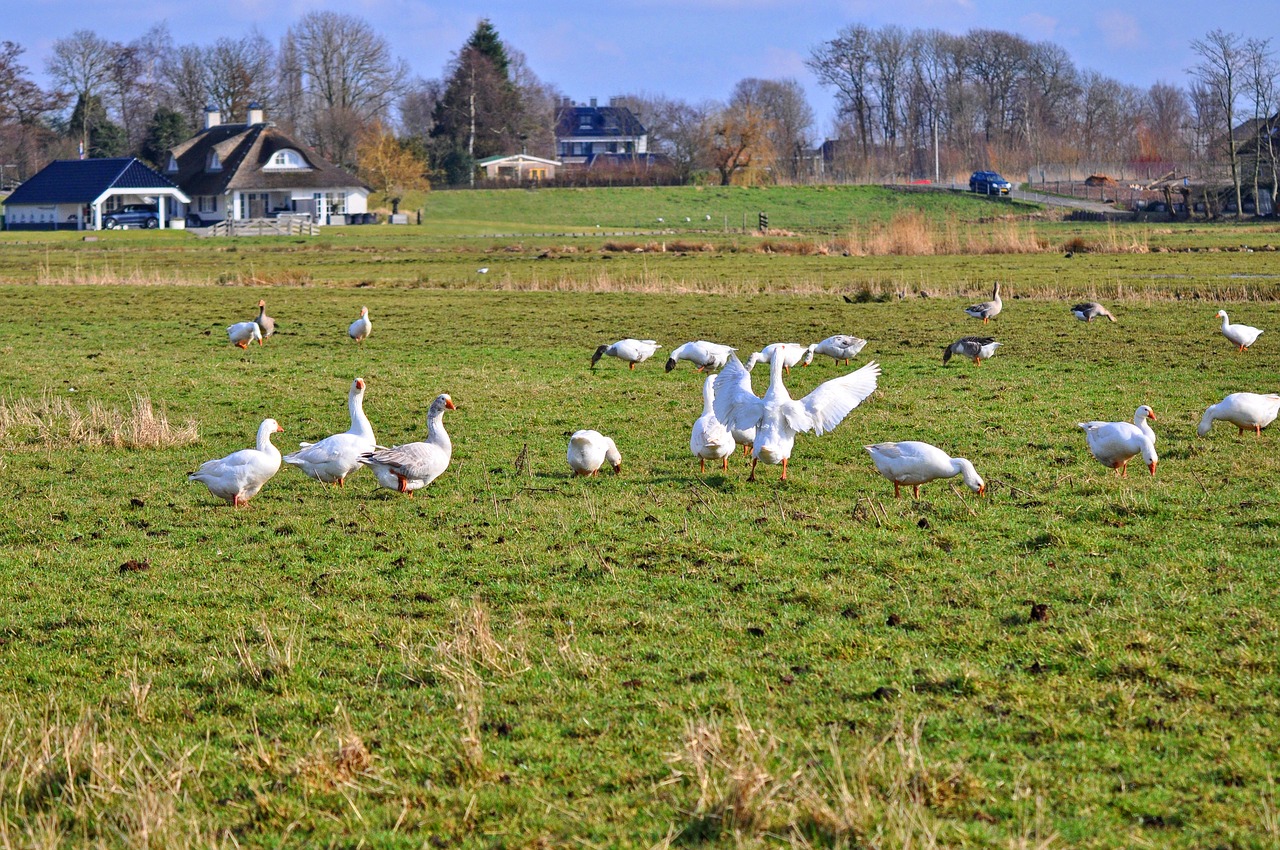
x: 595, y: 358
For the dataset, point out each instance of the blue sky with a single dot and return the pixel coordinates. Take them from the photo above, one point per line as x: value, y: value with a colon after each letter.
x: 689, y: 49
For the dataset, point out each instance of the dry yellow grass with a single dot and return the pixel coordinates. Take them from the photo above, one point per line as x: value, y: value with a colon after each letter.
x: 54, y: 420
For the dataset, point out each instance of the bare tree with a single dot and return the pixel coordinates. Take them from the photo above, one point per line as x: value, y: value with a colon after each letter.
x: 678, y: 130
x: 845, y: 64
x: 81, y: 64
x: 24, y: 108
x: 1165, y: 116
x: 739, y: 142
x: 1261, y: 73
x: 889, y: 58
x: 1221, y: 72
x: 787, y: 119
x: 237, y: 72
x: 184, y: 83
x: 534, y: 117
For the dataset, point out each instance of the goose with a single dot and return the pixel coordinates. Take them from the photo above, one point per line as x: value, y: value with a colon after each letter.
x: 1090, y: 310
x: 977, y: 347
x: 987, y: 310
x: 414, y: 465
x: 239, y: 476
x: 710, y: 439
x: 265, y: 323
x: 1114, y: 444
x: 243, y: 333
x: 777, y: 417
x: 703, y: 354
x: 633, y: 351
x: 840, y: 347
x: 335, y: 457
x: 588, y: 450
x: 1244, y: 410
x: 360, y: 329
x: 792, y: 353
x: 1242, y: 335
x: 915, y: 463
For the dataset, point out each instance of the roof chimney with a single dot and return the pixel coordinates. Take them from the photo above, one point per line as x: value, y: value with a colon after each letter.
x: 212, y: 117
x: 255, y: 114
x: 593, y: 103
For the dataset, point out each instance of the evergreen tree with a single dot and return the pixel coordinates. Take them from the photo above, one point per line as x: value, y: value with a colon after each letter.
x: 165, y: 130
x: 106, y: 138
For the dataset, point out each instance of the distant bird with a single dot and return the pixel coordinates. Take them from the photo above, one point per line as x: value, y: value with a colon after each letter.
x: 360, y: 329
x: 708, y: 218
x: 243, y: 333
x: 1114, y: 444
x: 686, y: 218
x: 484, y: 270
x: 239, y: 476
x: 588, y: 450
x: 840, y: 347
x: 1242, y: 335
x: 633, y: 351
x: 977, y: 348
x: 660, y: 219
x: 703, y: 354
x: 413, y: 466
x: 710, y: 439
x: 1090, y: 310
x: 790, y: 353
x: 266, y: 324
x: 917, y: 463
x: 1247, y: 411
x: 335, y: 457
x: 776, y: 417
x: 987, y: 310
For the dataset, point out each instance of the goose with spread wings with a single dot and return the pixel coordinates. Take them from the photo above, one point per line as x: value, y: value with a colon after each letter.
x: 777, y: 417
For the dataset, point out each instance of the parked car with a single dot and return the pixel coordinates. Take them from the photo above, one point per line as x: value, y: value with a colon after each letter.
x: 989, y: 183
x: 132, y: 215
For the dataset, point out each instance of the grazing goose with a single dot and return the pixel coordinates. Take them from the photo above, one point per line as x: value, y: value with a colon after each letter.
x: 1242, y: 335
x: 414, y: 465
x: 588, y: 450
x: 791, y: 353
x: 1244, y: 410
x: 1114, y: 444
x: 917, y: 463
x: 777, y: 418
x: 243, y: 333
x: 265, y: 323
x: 335, y: 457
x: 360, y: 329
x: 703, y: 354
x: 633, y: 351
x: 978, y: 348
x: 840, y: 347
x: 1090, y: 310
x: 239, y: 476
x: 987, y: 310
x: 710, y: 439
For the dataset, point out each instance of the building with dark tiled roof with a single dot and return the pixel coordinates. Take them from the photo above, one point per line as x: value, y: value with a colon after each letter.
x: 254, y: 170
x: 583, y: 132
x: 87, y: 194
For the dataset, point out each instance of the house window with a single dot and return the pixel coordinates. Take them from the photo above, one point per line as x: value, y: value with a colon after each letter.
x: 336, y: 202
x: 213, y: 163
x: 584, y: 122
x: 207, y: 203
x: 286, y: 159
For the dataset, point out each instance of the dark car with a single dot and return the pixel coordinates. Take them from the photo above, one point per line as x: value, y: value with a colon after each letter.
x: 989, y: 183
x: 132, y: 215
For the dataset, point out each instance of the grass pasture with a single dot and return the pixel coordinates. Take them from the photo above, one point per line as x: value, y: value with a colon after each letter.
x: 517, y: 658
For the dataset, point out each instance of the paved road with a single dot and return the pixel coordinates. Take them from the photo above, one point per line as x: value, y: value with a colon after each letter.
x: 1038, y: 198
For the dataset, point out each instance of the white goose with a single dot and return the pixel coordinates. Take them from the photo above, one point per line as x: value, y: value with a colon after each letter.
x: 588, y: 450
x: 335, y: 457
x: 703, y: 354
x: 1247, y: 411
x: 710, y: 439
x: 1114, y: 444
x: 840, y: 347
x: 1242, y: 335
x: 243, y: 333
x: 415, y: 465
x: 360, y: 329
x: 633, y: 351
x: 790, y: 353
x: 239, y: 476
x: 915, y: 463
x: 987, y: 310
x: 777, y: 418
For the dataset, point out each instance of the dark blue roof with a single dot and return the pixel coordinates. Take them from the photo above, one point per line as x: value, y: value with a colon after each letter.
x: 80, y: 181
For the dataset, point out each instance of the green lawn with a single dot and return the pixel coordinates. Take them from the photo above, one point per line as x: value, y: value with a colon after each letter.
x: 518, y: 658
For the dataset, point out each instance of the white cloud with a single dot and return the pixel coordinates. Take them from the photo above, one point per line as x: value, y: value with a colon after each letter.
x: 1120, y: 30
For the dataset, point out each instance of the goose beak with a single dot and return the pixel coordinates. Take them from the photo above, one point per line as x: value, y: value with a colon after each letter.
x: 671, y: 364
x: 279, y: 427
x: 359, y: 383
x: 449, y: 405
x: 617, y: 467
x: 1151, y: 414
x: 982, y: 491
x: 1152, y: 467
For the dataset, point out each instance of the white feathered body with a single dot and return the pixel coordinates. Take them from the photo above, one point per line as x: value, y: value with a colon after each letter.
x: 915, y: 463
x: 1114, y: 444
x: 588, y: 450
x: 632, y: 351
x: 360, y: 329
x: 702, y: 354
x: 1247, y: 411
x: 1242, y: 335
x: 710, y: 439
x: 335, y: 457
x: 839, y: 347
x: 790, y: 353
x: 239, y: 476
x: 413, y: 466
x: 243, y: 333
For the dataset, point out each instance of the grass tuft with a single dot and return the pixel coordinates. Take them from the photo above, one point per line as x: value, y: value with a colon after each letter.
x: 55, y: 422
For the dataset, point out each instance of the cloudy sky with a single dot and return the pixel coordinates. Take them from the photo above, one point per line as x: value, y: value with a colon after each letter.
x: 693, y: 50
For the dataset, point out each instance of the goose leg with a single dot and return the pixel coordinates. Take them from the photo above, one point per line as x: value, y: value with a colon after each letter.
x: 915, y: 490
x: 703, y: 465
x: 897, y: 490
x: 404, y: 484
x: 631, y: 365
x: 752, y: 476
x: 784, y: 469
x: 724, y: 463
x: 977, y: 361
x: 1257, y: 430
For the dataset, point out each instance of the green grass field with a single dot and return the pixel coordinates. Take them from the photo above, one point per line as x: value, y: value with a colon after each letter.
x: 518, y: 658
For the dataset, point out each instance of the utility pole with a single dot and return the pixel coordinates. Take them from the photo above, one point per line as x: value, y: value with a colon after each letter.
x: 937, y: 173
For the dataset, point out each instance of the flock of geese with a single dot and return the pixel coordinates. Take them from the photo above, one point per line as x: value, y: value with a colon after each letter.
x: 732, y: 415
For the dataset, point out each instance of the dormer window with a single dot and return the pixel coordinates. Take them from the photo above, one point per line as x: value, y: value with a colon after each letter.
x: 286, y: 159
x: 584, y: 122
x: 214, y: 162
x: 172, y: 167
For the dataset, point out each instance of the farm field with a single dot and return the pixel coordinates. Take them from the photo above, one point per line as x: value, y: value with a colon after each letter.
x: 515, y: 656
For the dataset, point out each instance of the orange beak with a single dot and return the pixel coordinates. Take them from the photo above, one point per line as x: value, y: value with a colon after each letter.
x: 982, y: 491
x: 359, y: 383
x: 617, y: 467
x: 279, y: 427
x: 449, y: 405
x: 1151, y: 415
x: 1152, y: 467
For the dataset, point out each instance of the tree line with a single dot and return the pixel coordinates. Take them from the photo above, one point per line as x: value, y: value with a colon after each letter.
x: 911, y: 103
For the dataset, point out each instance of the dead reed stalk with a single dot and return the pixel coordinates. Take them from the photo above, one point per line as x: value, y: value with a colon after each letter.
x: 54, y: 420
